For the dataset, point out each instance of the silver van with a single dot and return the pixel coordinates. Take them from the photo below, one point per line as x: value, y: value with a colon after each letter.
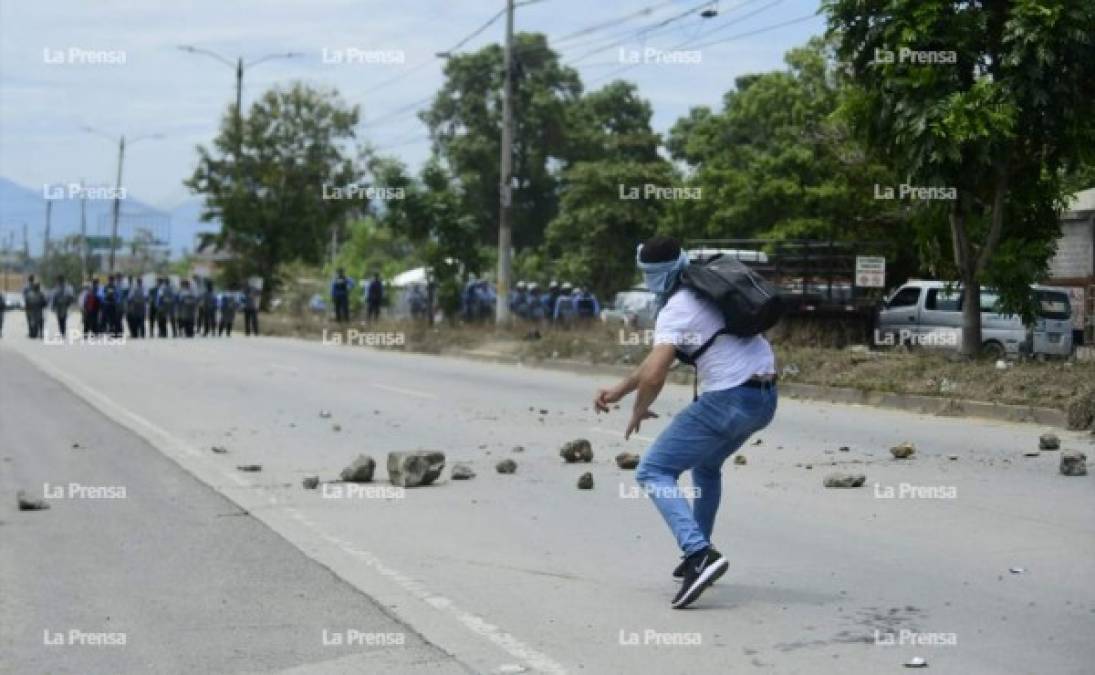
x: 929, y: 314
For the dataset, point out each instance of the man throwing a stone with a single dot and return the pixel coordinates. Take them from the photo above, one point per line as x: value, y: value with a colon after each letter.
x: 738, y: 398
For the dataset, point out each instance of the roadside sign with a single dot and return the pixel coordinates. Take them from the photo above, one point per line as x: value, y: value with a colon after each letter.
x: 870, y: 271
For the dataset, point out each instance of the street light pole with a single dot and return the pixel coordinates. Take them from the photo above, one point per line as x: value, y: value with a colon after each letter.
x: 117, y: 203
x: 505, y: 198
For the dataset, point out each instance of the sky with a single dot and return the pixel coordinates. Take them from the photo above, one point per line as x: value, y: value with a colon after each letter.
x: 116, y: 66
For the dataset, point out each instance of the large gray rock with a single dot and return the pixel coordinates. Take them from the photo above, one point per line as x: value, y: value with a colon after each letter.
x: 415, y: 468
x: 578, y: 450
x: 1049, y: 442
x: 462, y: 471
x: 360, y: 470
x: 903, y: 451
x: 310, y: 482
x: 627, y: 460
x: 585, y: 481
x: 1073, y: 463
x: 28, y: 503
x: 506, y: 466
x: 845, y: 480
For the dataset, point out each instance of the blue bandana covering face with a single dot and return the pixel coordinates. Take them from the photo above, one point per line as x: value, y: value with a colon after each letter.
x: 660, y: 277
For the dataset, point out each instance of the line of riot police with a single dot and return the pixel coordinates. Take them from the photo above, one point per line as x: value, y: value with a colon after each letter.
x: 124, y: 303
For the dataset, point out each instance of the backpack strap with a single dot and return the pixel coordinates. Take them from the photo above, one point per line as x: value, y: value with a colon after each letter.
x: 694, y: 357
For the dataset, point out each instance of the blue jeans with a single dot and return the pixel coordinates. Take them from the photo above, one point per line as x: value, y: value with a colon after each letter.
x: 700, y: 438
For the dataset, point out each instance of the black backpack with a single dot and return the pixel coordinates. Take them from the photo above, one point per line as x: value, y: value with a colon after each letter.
x: 749, y: 304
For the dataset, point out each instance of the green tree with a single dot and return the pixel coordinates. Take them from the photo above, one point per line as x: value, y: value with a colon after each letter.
x: 779, y: 162
x: 601, y: 218
x: 465, y: 122
x: 993, y: 100
x: 279, y: 200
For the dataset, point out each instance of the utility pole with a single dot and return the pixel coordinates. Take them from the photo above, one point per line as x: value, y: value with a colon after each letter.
x: 505, y: 185
x: 117, y: 203
x: 83, y: 232
x: 45, y: 243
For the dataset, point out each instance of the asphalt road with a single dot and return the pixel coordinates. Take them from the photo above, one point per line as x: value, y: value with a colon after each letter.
x: 137, y: 567
x: 512, y: 572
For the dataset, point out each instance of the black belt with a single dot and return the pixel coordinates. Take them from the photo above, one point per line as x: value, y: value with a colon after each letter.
x: 760, y: 382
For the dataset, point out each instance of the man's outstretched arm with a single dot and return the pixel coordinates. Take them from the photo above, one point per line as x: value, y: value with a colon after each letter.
x: 648, y: 379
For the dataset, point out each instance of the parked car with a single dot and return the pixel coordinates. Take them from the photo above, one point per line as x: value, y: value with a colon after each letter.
x: 13, y: 300
x: 633, y: 308
x: 929, y: 314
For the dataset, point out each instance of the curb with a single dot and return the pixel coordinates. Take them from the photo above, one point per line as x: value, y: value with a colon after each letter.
x: 915, y: 403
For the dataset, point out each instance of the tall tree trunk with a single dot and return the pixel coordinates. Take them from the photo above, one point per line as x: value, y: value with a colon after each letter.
x: 967, y: 272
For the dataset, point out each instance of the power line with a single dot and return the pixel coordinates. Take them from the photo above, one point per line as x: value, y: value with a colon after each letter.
x: 731, y: 38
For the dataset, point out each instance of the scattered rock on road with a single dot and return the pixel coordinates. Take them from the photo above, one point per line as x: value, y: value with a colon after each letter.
x: 462, y: 471
x: 310, y: 482
x: 219, y: 449
x: 360, y: 470
x: 916, y: 662
x: 585, y: 481
x: 324, y: 413
x: 1032, y: 453
x: 628, y: 460
x: 578, y: 450
x: 415, y: 468
x: 518, y: 448
x: 250, y: 468
x: 844, y: 448
x: 336, y: 427
x: 506, y: 466
x: 903, y: 451
x: 28, y: 503
x: 845, y: 480
x: 1073, y: 463
x: 740, y: 460
x: 1049, y: 442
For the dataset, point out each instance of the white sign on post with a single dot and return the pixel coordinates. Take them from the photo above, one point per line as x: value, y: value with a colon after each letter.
x: 870, y: 271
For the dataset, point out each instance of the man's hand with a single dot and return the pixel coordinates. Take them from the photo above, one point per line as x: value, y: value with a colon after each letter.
x: 606, y: 397
x: 637, y: 418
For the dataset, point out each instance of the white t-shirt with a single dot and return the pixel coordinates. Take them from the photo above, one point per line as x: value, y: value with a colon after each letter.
x: 687, y: 322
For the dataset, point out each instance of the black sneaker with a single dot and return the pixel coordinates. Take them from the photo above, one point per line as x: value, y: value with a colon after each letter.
x: 701, y: 569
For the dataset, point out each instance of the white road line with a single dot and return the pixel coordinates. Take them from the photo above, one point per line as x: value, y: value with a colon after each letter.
x: 620, y: 434
x: 474, y: 623
x: 408, y: 392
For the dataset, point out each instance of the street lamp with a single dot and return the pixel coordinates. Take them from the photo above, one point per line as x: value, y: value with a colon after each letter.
x: 239, y: 67
x: 118, y: 183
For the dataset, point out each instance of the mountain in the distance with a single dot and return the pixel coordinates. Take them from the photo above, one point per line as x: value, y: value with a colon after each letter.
x: 21, y: 205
